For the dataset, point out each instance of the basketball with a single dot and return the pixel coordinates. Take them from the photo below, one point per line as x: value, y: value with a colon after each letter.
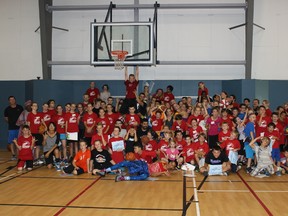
x: 42, y: 129
x: 130, y: 156
x: 144, y: 140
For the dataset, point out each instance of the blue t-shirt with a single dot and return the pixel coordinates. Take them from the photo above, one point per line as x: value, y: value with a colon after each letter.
x: 250, y: 127
x: 241, y: 115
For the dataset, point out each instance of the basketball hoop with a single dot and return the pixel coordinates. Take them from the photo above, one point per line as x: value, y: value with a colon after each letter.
x: 119, y: 57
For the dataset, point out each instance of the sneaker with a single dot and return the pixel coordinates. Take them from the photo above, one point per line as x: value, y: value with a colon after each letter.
x: 238, y: 168
x: 101, y: 173
x: 40, y: 162
x: 267, y: 173
x: 119, y: 178
x: 225, y: 173
x: 205, y: 173
x: 248, y: 170
x: 35, y: 163
x: 278, y: 173
x: 65, y: 162
x: 58, y: 167
x: 13, y: 158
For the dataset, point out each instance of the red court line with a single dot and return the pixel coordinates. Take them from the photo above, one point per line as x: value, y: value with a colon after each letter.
x: 255, y: 195
x: 71, y: 201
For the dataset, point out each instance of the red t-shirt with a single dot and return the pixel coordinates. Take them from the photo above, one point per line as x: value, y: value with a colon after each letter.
x: 194, y: 133
x: 130, y: 88
x: 117, y: 156
x: 189, y: 152
x: 81, y: 159
x: 280, y: 129
x: 263, y: 124
x: 157, y: 124
x: 182, y: 126
x: 104, y: 121
x: 146, y: 156
x: 180, y: 144
x: 168, y: 97
x: 132, y: 120
x: 47, y: 118
x: 26, y: 152
x: 204, y: 147
x: 98, y: 137
x: 93, y: 94
x: 90, y: 120
x: 112, y: 119
x: 162, y: 146
x: 72, y: 120
x: 229, y: 145
x: 151, y: 146
x: 274, y: 133
x: 35, y: 122
x: 202, y: 90
x: 223, y: 136
x: 156, y: 167
x: 59, y: 120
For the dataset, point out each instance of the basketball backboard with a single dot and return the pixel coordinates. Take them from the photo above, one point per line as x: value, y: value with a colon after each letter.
x: 135, y: 38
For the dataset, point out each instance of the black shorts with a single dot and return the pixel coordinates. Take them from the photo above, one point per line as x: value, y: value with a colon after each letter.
x: 49, y: 160
x: 70, y: 169
x: 38, y: 139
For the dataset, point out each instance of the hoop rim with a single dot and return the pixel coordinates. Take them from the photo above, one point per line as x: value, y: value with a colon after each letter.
x: 121, y: 54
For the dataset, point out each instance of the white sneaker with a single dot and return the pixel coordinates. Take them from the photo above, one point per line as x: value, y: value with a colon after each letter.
x: 39, y: 162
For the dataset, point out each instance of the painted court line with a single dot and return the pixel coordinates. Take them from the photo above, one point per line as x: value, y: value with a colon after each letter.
x: 226, y: 191
x: 8, y: 176
x: 255, y: 195
x: 92, y: 207
x: 75, y: 198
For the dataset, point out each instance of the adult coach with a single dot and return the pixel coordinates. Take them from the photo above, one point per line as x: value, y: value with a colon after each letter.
x: 131, y: 84
x: 11, y: 115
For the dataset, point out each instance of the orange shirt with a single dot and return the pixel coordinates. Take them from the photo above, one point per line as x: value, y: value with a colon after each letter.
x: 81, y: 159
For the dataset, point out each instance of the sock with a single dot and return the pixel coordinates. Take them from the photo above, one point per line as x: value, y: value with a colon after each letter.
x: 107, y: 170
x: 126, y: 178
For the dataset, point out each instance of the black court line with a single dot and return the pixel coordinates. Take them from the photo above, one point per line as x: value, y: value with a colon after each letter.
x: 192, y: 198
x: 90, y: 207
x: 20, y: 174
x: 54, y: 177
x: 5, y: 162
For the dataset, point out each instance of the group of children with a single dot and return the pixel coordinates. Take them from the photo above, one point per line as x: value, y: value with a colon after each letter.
x: 165, y: 135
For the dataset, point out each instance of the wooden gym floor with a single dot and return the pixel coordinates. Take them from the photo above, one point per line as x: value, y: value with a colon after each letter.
x: 47, y: 192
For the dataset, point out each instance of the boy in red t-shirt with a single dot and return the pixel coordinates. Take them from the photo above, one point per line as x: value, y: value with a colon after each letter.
x: 224, y: 134
x: 131, y: 119
x: 189, y: 151
x: 116, y: 146
x: 232, y: 144
x: 274, y: 137
x: 81, y: 161
x: 25, y: 144
x: 201, y: 149
x: 131, y: 84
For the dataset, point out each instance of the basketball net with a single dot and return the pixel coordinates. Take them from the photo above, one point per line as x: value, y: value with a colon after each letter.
x: 119, y: 57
